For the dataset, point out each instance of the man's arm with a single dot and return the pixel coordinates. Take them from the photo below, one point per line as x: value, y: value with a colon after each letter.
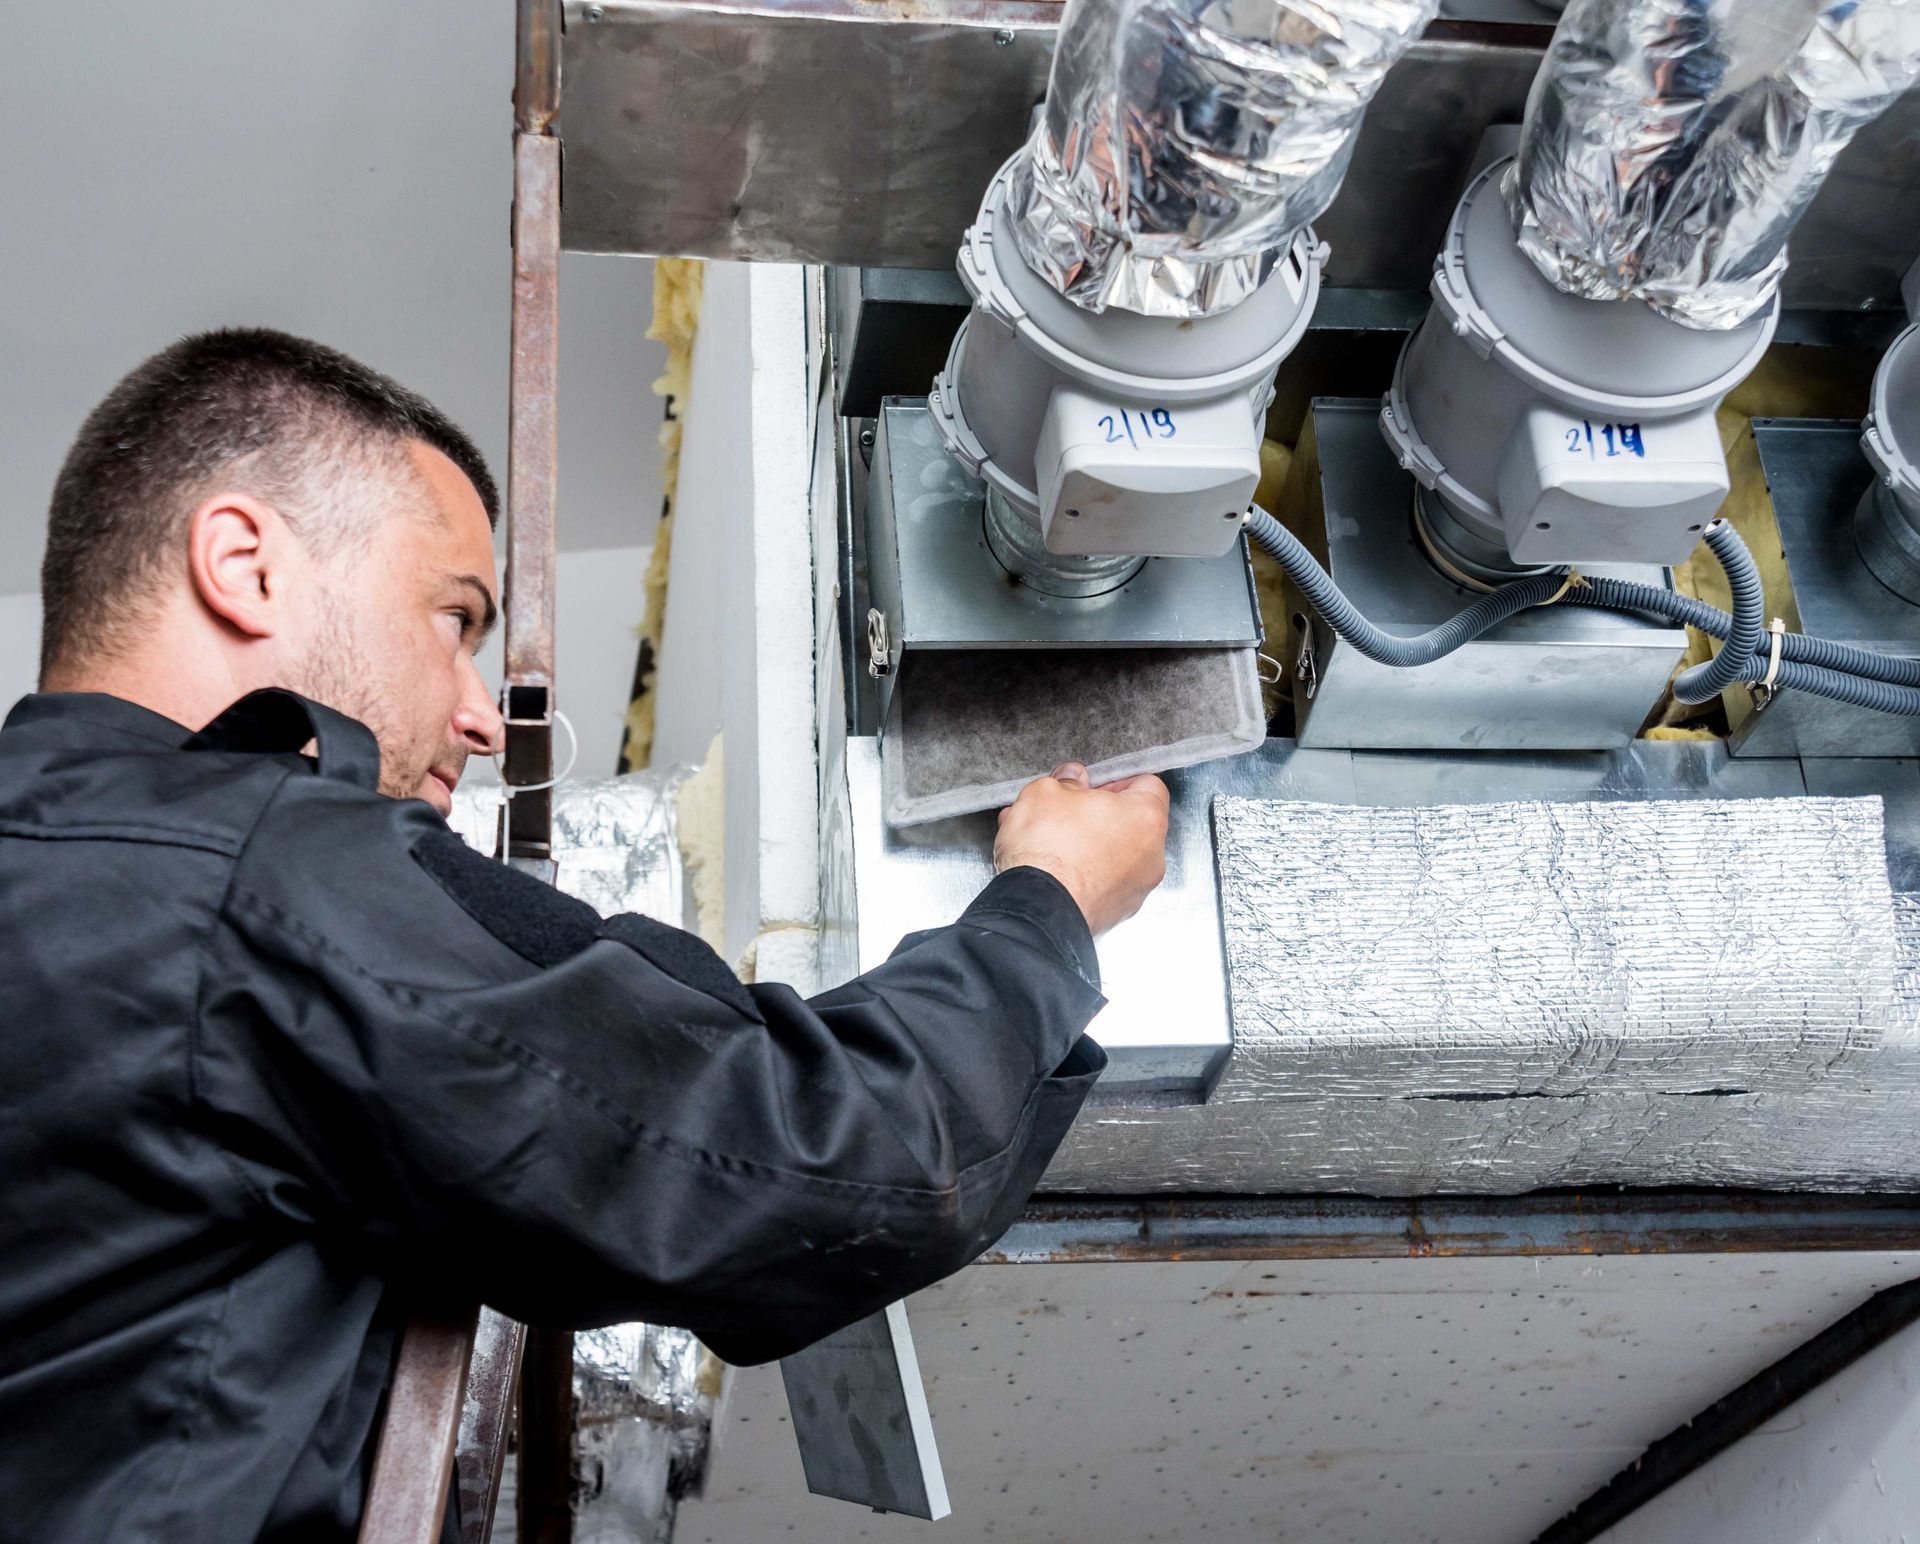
x: 430, y: 1057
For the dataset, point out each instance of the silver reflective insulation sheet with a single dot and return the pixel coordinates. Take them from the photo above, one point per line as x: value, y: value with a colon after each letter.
x: 1677, y: 946
x: 614, y: 840
x: 1671, y: 146
x: 1184, y: 143
x: 1500, y: 998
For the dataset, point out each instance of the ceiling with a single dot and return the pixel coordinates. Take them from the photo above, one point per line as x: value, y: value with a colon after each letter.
x: 1430, y: 1400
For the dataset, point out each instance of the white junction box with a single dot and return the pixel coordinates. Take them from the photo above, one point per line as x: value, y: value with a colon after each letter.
x: 1157, y: 481
x: 1576, y: 489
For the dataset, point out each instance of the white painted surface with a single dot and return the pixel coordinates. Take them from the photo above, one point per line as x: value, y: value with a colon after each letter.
x: 737, y: 650
x: 1841, y: 1466
x: 784, y: 810
x: 339, y: 170
x: 1351, y: 1402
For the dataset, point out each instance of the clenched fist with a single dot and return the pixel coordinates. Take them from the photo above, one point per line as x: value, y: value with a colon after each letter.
x: 1108, y: 846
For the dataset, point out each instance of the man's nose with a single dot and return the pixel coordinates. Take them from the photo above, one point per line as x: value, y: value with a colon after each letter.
x: 478, y: 720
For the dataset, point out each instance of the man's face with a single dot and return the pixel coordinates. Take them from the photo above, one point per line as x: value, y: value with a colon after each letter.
x: 394, y: 626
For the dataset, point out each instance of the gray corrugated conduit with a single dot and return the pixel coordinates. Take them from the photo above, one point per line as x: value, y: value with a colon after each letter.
x: 1883, y: 683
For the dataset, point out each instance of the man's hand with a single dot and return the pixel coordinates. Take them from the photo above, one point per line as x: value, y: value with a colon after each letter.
x: 1108, y: 846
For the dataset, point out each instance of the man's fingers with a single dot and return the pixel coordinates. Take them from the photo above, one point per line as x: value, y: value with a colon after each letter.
x: 1073, y: 772
x: 1145, y: 785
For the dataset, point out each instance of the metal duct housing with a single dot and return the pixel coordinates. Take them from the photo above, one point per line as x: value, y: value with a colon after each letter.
x: 1112, y: 434
x: 1185, y: 143
x: 1545, y: 428
x: 1671, y: 146
x: 1887, y: 522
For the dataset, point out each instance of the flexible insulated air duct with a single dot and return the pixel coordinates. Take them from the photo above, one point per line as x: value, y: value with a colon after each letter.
x: 1141, y: 267
x: 1672, y: 145
x: 1185, y: 143
x: 1886, y: 525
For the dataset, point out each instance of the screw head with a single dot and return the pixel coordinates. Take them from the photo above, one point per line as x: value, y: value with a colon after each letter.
x: 1003, y: 37
x: 866, y: 439
x: 596, y: 12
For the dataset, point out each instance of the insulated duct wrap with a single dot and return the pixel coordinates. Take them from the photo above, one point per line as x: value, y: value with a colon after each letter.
x: 644, y: 1394
x: 1537, y: 948
x: 643, y: 1400
x: 1499, y: 998
x: 1185, y: 143
x: 1671, y: 146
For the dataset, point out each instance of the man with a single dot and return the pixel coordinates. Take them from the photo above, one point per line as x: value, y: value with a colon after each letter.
x: 280, y: 1057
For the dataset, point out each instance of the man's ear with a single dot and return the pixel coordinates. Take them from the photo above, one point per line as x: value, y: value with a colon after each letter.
x: 237, y: 550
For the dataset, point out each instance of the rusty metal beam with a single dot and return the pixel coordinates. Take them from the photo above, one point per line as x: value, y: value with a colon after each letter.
x: 1546, y: 1223
x: 527, y: 695
x: 862, y: 134
x: 532, y: 457
x: 545, y: 1492
x: 407, y: 1496
x: 486, y: 1420
x: 536, y: 81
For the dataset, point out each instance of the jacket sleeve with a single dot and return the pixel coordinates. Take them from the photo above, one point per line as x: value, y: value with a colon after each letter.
x: 429, y: 1057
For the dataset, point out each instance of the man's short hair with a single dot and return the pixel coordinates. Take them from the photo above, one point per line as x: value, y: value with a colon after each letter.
x: 249, y: 409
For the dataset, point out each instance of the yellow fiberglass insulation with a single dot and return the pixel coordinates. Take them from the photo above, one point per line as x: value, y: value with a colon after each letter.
x: 678, y: 283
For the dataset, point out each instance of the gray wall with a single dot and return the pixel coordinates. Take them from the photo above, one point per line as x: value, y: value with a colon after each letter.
x: 340, y: 169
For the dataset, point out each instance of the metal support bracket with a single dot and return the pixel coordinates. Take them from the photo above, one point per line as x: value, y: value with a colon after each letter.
x: 413, y: 1464
x: 455, y: 1377
x: 860, y: 1416
x: 527, y: 699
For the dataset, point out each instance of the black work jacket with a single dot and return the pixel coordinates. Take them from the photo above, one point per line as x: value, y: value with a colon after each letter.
x: 279, y: 1056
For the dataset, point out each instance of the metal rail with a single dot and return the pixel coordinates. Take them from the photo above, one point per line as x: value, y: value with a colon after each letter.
x: 1543, y: 1223
x: 545, y: 1359
x: 455, y: 1378
x: 413, y: 1465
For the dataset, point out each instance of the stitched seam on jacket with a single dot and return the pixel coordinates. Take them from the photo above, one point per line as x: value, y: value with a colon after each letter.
x: 194, y: 1100
x: 672, y: 1147
x: 154, y: 836
x: 195, y: 1411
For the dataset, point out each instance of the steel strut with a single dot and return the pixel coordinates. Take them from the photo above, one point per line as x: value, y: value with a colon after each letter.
x: 455, y: 1379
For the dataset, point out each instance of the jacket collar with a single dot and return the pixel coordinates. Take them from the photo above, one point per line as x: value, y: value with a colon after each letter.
x: 267, y: 721
x: 96, y: 717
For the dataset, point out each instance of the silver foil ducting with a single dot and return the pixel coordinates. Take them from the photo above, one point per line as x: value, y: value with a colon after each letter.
x: 643, y: 1393
x: 643, y: 1402
x: 1184, y: 143
x: 1500, y: 998
x: 1671, y: 146
x: 614, y: 841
